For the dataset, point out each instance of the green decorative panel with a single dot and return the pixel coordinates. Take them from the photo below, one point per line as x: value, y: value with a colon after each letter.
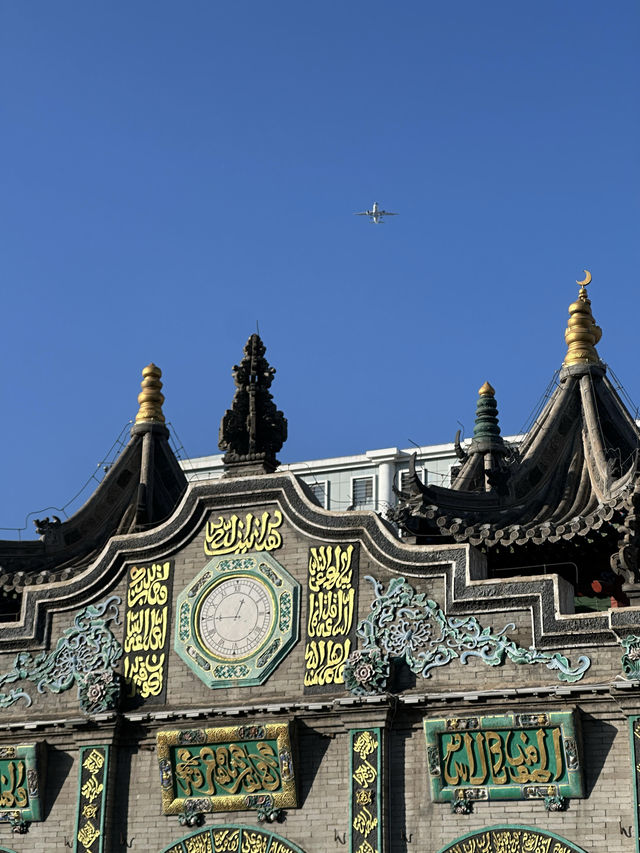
x: 92, y: 796
x: 21, y: 783
x: 505, y: 757
x: 238, y: 619
x: 365, y: 819
x: 511, y: 839
x: 228, y: 768
x: 233, y: 839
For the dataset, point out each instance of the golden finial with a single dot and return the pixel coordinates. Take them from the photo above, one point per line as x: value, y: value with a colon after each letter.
x: 581, y: 333
x: 487, y: 390
x: 151, y: 397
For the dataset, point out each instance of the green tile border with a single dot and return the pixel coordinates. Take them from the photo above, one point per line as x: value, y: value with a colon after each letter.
x: 634, y: 737
x: 93, y: 772
x: 365, y: 788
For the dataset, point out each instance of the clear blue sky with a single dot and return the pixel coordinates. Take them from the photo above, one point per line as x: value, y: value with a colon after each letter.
x: 174, y: 173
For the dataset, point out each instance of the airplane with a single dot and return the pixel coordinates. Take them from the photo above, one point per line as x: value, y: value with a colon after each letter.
x: 376, y: 214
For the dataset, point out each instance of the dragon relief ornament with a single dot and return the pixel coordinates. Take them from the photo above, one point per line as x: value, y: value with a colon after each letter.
x: 85, y: 655
x: 407, y: 626
x: 631, y: 656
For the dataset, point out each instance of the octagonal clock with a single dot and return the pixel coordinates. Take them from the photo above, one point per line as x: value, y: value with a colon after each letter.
x: 238, y: 619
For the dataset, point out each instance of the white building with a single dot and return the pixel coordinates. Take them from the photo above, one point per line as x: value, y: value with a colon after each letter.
x: 363, y: 481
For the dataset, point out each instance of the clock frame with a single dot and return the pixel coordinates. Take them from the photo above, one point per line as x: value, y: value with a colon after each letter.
x: 238, y: 619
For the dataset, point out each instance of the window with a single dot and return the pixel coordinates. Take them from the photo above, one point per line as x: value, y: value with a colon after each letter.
x: 320, y: 491
x: 404, y: 478
x: 362, y: 492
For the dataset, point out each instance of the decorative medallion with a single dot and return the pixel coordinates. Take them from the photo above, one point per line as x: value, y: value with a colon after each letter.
x: 92, y: 797
x: 514, y: 839
x: 228, y: 768
x: 233, y: 839
x: 237, y: 620
x: 408, y: 626
x: 505, y: 757
x: 332, y: 607
x: 22, y: 771
x: 366, y: 790
x: 146, y: 639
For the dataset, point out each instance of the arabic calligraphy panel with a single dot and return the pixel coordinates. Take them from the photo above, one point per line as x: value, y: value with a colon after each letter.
x: 226, y: 768
x: 511, y: 839
x: 21, y: 782
x: 506, y: 757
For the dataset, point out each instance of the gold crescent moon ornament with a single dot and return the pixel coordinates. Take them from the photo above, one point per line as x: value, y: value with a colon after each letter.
x: 587, y: 279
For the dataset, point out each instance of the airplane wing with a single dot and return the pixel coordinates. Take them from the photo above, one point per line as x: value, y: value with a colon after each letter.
x: 364, y: 213
x: 386, y: 213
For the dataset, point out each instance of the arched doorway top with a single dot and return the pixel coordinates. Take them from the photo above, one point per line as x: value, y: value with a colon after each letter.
x: 232, y: 837
x: 519, y: 839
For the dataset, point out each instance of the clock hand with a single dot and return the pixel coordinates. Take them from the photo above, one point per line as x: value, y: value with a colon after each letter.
x: 239, y: 609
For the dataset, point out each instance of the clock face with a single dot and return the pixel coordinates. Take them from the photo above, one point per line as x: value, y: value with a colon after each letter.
x: 235, y: 618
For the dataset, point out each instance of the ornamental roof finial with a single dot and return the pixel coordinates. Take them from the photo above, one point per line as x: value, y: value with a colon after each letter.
x: 582, y: 333
x: 253, y: 430
x: 486, y: 424
x: 151, y: 397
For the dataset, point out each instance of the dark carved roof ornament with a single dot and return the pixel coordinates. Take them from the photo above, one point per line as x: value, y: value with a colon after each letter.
x: 253, y: 430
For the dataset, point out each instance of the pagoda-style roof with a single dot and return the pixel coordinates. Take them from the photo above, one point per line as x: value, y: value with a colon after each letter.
x: 140, y: 490
x: 569, y: 492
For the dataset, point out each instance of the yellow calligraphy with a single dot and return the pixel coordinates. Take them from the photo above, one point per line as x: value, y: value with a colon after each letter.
x: 94, y: 761
x: 331, y: 614
x: 237, y: 536
x: 502, y: 758
x: 254, y: 842
x: 146, y: 629
x: 199, y: 844
x: 365, y: 822
x: 145, y: 674
x: 226, y: 840
x: 229, y: 769
x: 13, y: 794
x: 92, y: 789
x: 88, y: 834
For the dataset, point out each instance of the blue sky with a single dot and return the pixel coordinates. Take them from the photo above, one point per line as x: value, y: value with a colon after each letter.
x: 175, y: 173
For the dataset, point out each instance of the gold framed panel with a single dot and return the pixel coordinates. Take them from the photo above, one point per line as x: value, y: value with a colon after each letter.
x: 227, y: 768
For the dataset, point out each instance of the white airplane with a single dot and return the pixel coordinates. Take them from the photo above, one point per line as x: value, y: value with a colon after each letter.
x: 376, y: 214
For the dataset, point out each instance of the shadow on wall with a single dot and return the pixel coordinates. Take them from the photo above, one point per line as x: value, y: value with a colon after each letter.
x: 597, y: 738
x: 396, y: 819
x: 59, y: 763
x: 312, y: 746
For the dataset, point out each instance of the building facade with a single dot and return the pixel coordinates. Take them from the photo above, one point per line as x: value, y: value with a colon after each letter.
x: 228, y: 665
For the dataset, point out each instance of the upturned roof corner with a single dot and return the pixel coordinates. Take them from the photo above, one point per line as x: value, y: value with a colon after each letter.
x: 139, y: 491
x: 570, y: 491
